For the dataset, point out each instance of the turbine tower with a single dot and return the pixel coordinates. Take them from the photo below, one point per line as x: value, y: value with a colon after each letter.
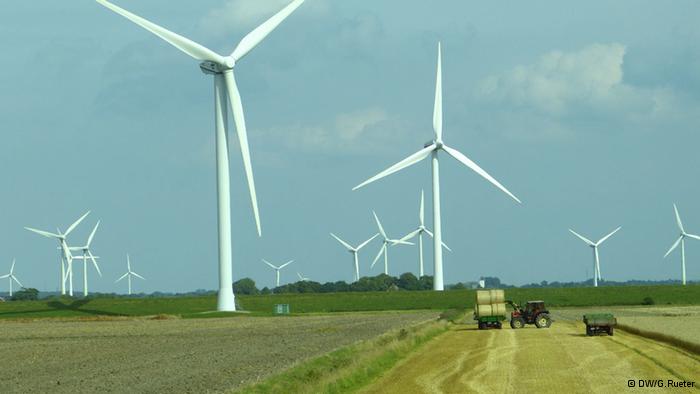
x: 681, y: 240
x: 432, y: 149
x: 66, y: 256
x: 419, y: 232
x: 386, y: 242
x: 225, y: 94
x: 354, y: 251
x: 129, y: 273
x: 596, y: 260
x: 12, y: 277
x: 277, y: 269
x: 87, y: 254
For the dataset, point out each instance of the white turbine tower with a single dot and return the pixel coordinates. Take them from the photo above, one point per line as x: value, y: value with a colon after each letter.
x: 303, y: 278
x: 129, y: 273
x: 354, y: 251
x: 386, y: 242
x: 431, y: 149
x: 225, y: 93
x: 596, y: 260
x: 681, y: 240
x: 66, y: 256
x: 277, y: 269
x: 419, y: 232
x: 87, y: 254
x: 12, y: 277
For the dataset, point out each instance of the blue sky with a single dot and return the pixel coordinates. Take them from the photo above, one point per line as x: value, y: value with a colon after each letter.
x: 588, y: 113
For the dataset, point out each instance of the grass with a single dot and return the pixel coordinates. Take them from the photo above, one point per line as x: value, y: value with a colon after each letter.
x: 196, y: 307
x: 661, y: 337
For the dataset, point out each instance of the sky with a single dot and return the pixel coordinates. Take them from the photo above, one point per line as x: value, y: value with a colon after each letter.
x: 589, y: 113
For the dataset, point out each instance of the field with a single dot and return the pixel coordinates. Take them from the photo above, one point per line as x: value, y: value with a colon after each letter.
x: 175, y: 355
x: 348, y: 302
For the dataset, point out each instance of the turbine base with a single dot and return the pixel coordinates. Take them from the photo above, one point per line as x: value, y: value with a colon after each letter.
x: 226, y: 301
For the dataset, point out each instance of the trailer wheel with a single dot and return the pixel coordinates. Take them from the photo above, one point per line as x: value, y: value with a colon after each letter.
x: 589, y: 332
x: 610, y: 331
x: 516, y: 323
x: 543, y: 321
x: 499, y: 325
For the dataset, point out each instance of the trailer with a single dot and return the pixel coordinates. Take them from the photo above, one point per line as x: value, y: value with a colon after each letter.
x: 489, y: 309
x: 486, y: 322
x: 597, y: 323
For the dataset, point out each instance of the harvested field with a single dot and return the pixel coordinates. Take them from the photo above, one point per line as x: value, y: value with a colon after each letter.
x: 173, y: 355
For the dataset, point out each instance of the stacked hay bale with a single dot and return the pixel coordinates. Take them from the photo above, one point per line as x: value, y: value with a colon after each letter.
x: 490, y: 303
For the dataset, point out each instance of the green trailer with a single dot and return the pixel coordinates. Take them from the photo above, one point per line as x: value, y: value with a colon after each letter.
x: 597, y: 323
x: 486, y: 322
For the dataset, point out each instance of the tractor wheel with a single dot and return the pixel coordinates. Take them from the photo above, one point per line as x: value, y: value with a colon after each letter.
x: 516, y: 323
x: 543, y: 321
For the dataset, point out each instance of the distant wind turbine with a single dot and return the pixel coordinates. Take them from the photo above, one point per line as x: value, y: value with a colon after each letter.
x: 129, y: 273
x: 303, y: 278
x: 431, y: 149
x: 225, y: 93
x: 596, y: 260
x: 681, y: 241
x: 354, y: 251
x: 386, y: 242
x: 419, y: 232
x: 277, y: 269
x: 87, y: 254
x: 11, y: 276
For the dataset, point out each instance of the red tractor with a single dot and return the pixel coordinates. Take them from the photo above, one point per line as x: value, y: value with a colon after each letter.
x: 534, y: 313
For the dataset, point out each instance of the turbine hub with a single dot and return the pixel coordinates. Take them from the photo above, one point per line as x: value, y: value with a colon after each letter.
x: 213, y: 68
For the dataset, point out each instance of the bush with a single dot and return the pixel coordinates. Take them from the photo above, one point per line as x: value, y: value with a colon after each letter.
x: 648, y: 301
x: 30, y: 294
x: 245, y: 286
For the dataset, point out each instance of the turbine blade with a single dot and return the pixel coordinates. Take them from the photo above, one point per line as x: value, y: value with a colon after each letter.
x: 674, y: 246
x: 137, y: 275
x: 342, y: 242
x: 75, y: 224
x: 693, y: 236
x: 379, y: 224
x: 92, y: 234
x: 362, y: 245
x: 12, y: 267
x: 421, y: 214
x: 44, y: 233
x: 410, y: 235
x: 16, y: 280
x: 398, y: 241
x: 381, y: 250
x: 186, y: 45
x: 678, y: 218
x: 286, y: 264
x: 444, y: 245
x: 407, y: 162
x: 467, y: 162
x: 122, y: 277
x: 437, y: 109
x: 270, y: 264
x: 128, y: 262
x: 608, y: 236
x: 252, y: 39
x: 94, y: 262
x: 239, y: 119
x: 586, y: 240
x: 301, y: 278
x: 5, y: 276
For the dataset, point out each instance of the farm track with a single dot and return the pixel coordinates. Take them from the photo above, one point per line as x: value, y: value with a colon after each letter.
x: 555, y: 360
x: 174, y: 356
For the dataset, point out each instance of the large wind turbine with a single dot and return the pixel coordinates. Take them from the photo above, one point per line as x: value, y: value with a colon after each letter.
x: 129, y: 273
x: 431, y: 149
x: 419, y: 232
x: 354, y: 251
x: 66, y: 256
x: 87, y: 254
x: 596, y: 260
x: 225, y: 93
x: 277, y: 269
x: 681, y: 240
x: 12, y: 277
x: 386, y: 242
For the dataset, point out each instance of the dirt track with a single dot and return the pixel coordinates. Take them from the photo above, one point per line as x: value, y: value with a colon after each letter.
x: 174, y: 356
x: 555, y: 360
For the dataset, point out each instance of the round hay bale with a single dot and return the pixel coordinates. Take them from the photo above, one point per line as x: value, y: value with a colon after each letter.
x: 497, y: 296
x: 483, y: 297
x: 485, y: 310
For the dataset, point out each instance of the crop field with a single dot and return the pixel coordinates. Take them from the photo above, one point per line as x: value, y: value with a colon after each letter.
x: 176, y: 355
x: 555, y: 360
x: 348, y: 302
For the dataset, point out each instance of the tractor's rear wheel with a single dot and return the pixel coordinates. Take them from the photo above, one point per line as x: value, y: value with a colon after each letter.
x: 517, y: 322
x: 543, y: 321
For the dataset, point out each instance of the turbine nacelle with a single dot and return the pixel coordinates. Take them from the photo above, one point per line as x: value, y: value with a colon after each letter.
x: 213, y: 68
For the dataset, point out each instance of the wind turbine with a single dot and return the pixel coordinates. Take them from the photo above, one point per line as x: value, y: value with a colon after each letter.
x: 12, y: 277
x: 129, y: 273
x: 66, y: 256
x: 386, y: 242
x: 225, y: 93
x: 303, y: 278
x: 354, y: 251
x: 596, y: 260
x: 432, y: 149
x: 681, y: 240
x: 87, y: 254
x: 277, y: 269
x: 419, y: 232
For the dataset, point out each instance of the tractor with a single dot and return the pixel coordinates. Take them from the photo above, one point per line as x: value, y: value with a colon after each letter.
x: 534, y: 313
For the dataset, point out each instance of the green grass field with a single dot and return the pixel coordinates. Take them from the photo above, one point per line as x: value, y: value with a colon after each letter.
x: 348, y: 302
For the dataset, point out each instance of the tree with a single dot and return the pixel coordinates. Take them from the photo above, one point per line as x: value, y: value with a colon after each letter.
x: 408, y: 281
x: 25, y: 294
x: 245, y: 286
